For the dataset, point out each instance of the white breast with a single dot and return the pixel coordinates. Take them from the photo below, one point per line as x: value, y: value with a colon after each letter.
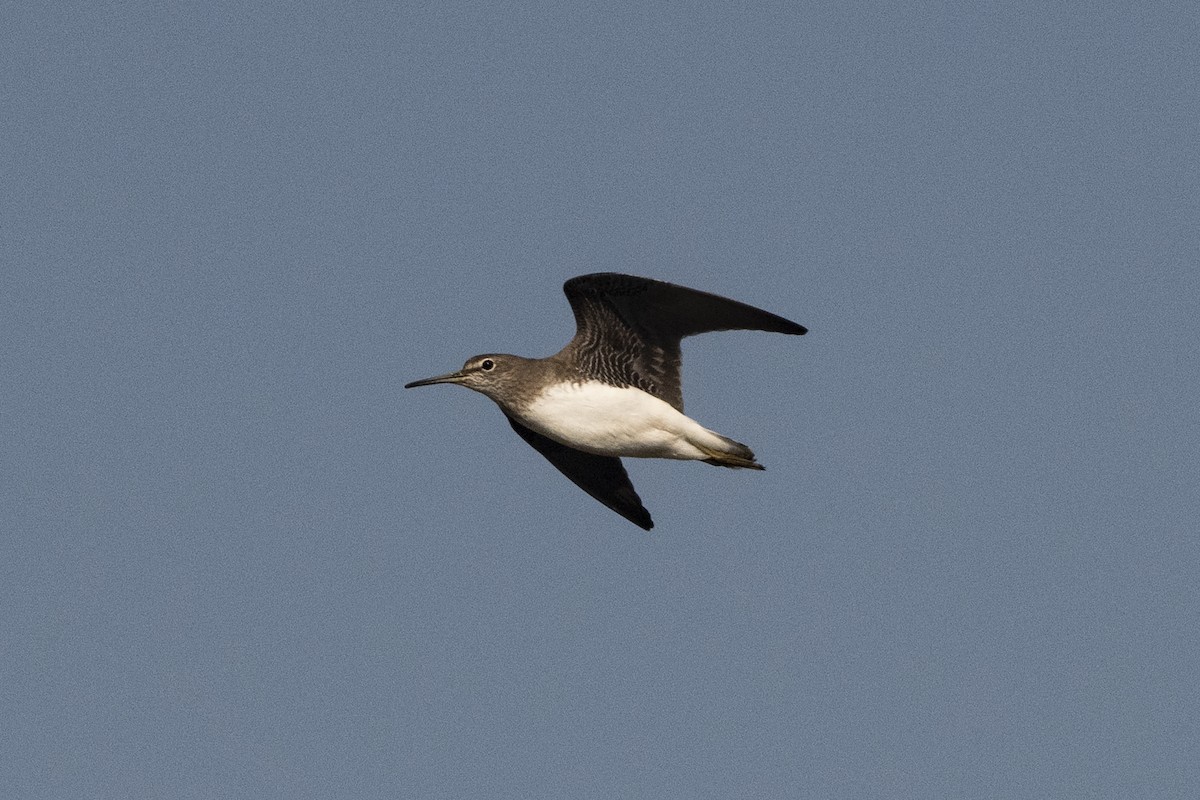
x: 614, y: 421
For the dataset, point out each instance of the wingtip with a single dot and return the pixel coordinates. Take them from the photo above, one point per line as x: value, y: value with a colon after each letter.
x: 639, y: 516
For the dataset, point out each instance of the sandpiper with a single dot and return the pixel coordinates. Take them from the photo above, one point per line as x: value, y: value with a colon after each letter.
x: 614, y: 390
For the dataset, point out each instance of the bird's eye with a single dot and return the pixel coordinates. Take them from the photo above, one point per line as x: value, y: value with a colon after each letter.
x: 487, y: 365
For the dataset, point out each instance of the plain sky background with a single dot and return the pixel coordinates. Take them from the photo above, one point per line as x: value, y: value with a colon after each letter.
x: 238, y: 560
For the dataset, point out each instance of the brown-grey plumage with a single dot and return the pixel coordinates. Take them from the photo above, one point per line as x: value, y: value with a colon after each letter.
x: 628, y: 329
x: 628, y: 332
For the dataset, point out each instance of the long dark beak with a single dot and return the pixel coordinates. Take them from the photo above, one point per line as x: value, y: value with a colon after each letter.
x: 453, y: 377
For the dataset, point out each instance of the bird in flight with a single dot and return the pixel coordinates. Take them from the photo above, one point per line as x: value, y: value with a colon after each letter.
x: 614, y: 391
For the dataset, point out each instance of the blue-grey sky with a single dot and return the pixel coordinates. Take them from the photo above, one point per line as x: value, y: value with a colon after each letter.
x: 239, y: 560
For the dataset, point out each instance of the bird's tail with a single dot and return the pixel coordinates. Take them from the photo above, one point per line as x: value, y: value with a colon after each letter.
x: 735, y: 455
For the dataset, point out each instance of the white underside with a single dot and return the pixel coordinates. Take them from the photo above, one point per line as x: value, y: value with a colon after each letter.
x: 612, y: 421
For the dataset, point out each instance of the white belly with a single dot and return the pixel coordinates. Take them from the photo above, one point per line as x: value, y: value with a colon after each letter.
x: 612, y: 421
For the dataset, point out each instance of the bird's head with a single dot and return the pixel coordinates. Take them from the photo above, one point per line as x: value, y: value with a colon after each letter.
x: 488, y: 374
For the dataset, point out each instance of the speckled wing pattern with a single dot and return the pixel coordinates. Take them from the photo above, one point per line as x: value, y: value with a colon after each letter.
x: 603, y: 477
x: 628, y: 328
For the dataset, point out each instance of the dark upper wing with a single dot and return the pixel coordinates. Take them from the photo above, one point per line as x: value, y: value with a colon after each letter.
x: 603, y: 477
x: 628, y: 328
